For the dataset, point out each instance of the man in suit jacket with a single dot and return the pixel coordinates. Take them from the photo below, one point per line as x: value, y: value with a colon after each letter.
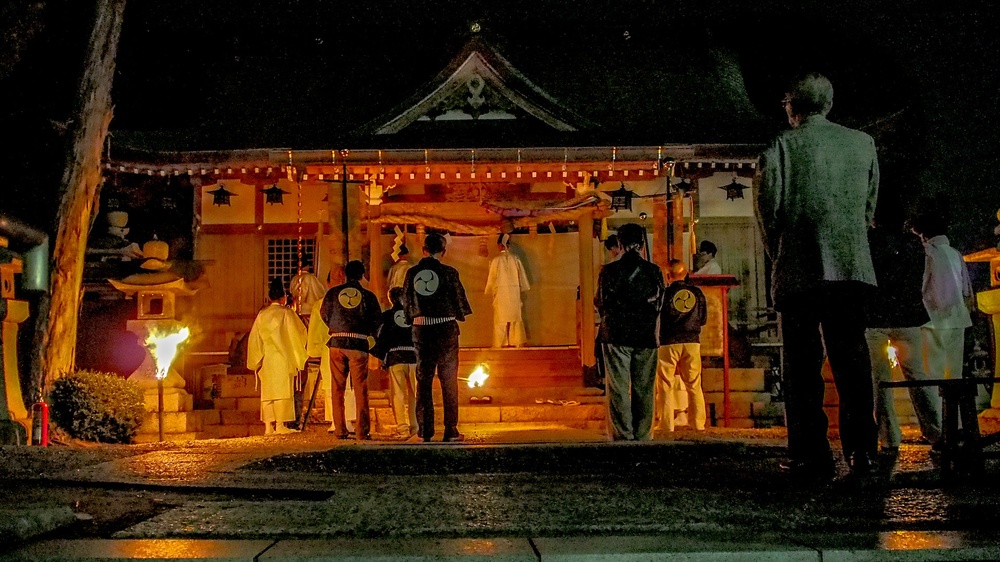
x: 816, y: 189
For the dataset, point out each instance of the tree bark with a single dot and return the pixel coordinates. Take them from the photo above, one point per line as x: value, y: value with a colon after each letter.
x: 80, y: 189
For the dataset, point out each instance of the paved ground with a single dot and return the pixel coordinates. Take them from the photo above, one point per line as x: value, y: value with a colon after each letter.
x: 546, y: 491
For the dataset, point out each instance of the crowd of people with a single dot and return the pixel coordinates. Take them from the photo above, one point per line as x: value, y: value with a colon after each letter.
x: 816, y: 190
x: 415, y: 339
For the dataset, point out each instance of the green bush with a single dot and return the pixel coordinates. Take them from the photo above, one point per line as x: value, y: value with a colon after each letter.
x: 96, y: 406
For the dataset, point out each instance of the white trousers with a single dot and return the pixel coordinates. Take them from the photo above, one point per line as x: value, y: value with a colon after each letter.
x: 926, y: 399
x: 943, y: 352
x: 509, y: 333
x: 679, y: 361
x: 403, y: 385
x: 282, y: 410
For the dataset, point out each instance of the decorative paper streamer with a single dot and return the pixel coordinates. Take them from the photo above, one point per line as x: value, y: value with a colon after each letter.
x: 397, y: 244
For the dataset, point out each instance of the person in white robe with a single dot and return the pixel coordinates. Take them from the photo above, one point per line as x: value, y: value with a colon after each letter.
x: 397, y: 272
x: 506, y: 281
x: 319, y: 335
x: 276, y: 351
x: 306, y: 290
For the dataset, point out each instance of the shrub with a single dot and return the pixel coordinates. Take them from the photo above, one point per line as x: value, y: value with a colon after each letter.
x: 97, y: 406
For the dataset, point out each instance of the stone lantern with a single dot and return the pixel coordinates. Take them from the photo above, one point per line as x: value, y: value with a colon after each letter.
x: 156, y: 291
x: 988, y: 302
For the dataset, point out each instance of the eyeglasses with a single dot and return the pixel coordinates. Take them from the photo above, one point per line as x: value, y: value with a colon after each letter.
x: 786, y: 101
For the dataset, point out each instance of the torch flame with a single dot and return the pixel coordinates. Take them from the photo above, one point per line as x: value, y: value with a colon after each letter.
x: 890, y: 351
x: 163, y: 348
x: 478, y: 377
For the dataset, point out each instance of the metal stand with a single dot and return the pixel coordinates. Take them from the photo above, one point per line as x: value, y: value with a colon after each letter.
x: 312, y: 399
x: 159, y: 400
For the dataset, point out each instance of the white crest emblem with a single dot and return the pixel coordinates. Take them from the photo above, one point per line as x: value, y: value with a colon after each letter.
x: 426, y: 282
x: 349, y: 297
x: 683, y: 301
x: 400, y: 319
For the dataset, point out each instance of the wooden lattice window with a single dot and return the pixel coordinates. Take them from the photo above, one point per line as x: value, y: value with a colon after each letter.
x: 283, y: 257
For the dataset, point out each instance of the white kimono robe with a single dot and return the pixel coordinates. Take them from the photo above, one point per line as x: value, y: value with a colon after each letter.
x: 313, y: 290
x: 397, y: 273
x: 319, y: 334
x: 507, y: 280
x: 276, y: 351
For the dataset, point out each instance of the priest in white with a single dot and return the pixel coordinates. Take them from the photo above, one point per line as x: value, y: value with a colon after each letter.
x: 506, y: 281
x: 276, y: 351
x: 307, y: 291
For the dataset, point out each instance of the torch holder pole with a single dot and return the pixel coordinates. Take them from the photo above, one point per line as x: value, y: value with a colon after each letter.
x: 159, y: 406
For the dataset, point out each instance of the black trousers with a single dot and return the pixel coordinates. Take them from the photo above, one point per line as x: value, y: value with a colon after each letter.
x: 833, y: 317
x: 437, y: 353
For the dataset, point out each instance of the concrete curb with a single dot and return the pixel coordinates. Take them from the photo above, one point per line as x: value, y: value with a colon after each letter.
x: 855, y: 547
x: 20, y: 525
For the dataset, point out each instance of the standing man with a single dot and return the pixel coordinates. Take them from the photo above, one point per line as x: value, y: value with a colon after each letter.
x: 816, y: 189
x: 276, y: 352
x: 683, y: 311
x: 394, y: 347
x: 434, y: 302
x: 895, y: 315
x: 946, y: 289
x: 706, y: 257
x: 613, y: 247
x: 627, y: 290
x: 506, y: 281
x: 352, y: 314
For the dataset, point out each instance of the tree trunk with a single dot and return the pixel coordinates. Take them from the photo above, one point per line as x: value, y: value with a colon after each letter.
x: 80, y: 188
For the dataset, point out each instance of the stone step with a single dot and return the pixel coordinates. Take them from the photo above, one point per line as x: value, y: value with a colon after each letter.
x: 173, y: 422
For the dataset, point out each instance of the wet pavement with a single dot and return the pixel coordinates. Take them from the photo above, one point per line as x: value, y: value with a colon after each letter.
x: 547, y: 483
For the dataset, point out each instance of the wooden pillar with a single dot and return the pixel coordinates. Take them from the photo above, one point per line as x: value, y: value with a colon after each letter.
x: 334, y: 241
x: 421, y: 234
x: 676, y: 227
x: 661, y: 251
x: 376, y: 277
x: 587, y: 290
x: 356, y: 203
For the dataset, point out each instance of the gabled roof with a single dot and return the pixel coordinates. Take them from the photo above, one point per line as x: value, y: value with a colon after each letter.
x: 478, y: 85
x: 419, y: 81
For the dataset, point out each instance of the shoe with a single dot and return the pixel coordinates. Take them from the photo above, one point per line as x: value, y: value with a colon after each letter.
x: 365, y: 438
x: 860, y: 463
x: 283, y: 430
x: 889, y: 451
x: 344, y: 436
x: 453, y: 438
x: 810, y: 470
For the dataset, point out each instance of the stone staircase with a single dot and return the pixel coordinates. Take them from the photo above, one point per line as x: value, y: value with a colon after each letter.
x: 526, y: 386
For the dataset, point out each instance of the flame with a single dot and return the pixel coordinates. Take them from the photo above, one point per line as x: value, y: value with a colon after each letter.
x: 163, y: 348
x: 479, y: 376
x: 890, y: 352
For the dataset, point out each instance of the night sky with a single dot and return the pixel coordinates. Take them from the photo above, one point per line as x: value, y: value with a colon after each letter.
x: 921, y: 75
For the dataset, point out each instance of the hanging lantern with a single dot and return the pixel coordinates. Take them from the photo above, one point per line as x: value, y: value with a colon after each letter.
x: 621, y: 198
x: 221, y: 196
x: 685, y: 187
x: 274, y: 194
x: 734, y: 190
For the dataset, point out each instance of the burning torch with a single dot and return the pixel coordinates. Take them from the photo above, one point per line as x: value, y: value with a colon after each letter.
x: 163, y: 348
